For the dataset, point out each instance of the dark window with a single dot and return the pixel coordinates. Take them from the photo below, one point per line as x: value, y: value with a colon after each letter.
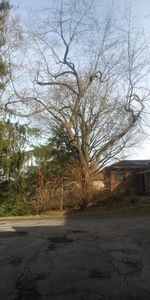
x: 121, y: 175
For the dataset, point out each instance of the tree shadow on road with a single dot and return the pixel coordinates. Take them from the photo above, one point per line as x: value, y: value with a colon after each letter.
x: 69, y: 258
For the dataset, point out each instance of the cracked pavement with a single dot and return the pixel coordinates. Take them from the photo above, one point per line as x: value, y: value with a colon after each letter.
x: 72, y: 258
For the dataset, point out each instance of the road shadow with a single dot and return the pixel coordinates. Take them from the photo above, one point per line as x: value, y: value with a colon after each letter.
x: 72, y: 258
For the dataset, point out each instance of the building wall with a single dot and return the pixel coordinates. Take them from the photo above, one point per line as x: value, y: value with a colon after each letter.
x: 143, y: 183
x: 119, y: 178
x: 127, y: 180
x: 147, y: 182
x: 107, y: 180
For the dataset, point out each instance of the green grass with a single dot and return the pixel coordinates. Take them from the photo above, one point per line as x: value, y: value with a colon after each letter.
x: 23, y: 210
x: 132, y: 210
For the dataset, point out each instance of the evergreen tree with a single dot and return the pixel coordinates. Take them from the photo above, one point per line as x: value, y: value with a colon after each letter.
x: 12, y: 149
x: 4, y: 11
x: 58, y: 155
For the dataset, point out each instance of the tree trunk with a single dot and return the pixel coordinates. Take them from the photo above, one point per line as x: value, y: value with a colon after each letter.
x: 86, y: 183
x: 61, y: 194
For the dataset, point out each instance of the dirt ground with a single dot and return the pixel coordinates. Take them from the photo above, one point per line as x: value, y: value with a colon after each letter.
x: 72, y: 258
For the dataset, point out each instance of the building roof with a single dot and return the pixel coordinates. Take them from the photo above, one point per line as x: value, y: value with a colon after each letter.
x: 130, y: 164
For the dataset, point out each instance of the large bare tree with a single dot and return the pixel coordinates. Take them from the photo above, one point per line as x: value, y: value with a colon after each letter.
x: 88, y: 73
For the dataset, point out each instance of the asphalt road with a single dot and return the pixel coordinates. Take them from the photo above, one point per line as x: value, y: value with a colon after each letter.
x: 75, y: 258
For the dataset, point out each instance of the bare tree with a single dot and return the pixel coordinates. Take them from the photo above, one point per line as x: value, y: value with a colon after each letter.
x: 88, y: 74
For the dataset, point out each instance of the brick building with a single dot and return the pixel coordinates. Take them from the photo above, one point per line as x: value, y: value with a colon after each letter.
x: 128, y: 175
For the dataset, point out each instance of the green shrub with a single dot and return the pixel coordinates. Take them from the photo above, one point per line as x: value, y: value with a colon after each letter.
x: 11, y: 208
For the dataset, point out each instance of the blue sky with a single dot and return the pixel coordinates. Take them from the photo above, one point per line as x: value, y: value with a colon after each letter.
x: 140, y: 8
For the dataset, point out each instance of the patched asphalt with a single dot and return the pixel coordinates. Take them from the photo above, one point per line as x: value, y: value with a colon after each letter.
x: 72, y: 258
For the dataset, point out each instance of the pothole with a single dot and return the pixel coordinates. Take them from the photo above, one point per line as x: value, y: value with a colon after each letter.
x: 12, y: 234
x: 124, y: 251
x: 26, y: 287
x: 78, y: 231
x: 52, y: 247
x: 60, y: 240
x: 41, y: 276
x: 99, y: 274
x: 16, y: 261
x: 134, y: 266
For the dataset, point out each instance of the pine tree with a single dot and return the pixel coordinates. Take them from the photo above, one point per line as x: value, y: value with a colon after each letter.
x: 4, y: 11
